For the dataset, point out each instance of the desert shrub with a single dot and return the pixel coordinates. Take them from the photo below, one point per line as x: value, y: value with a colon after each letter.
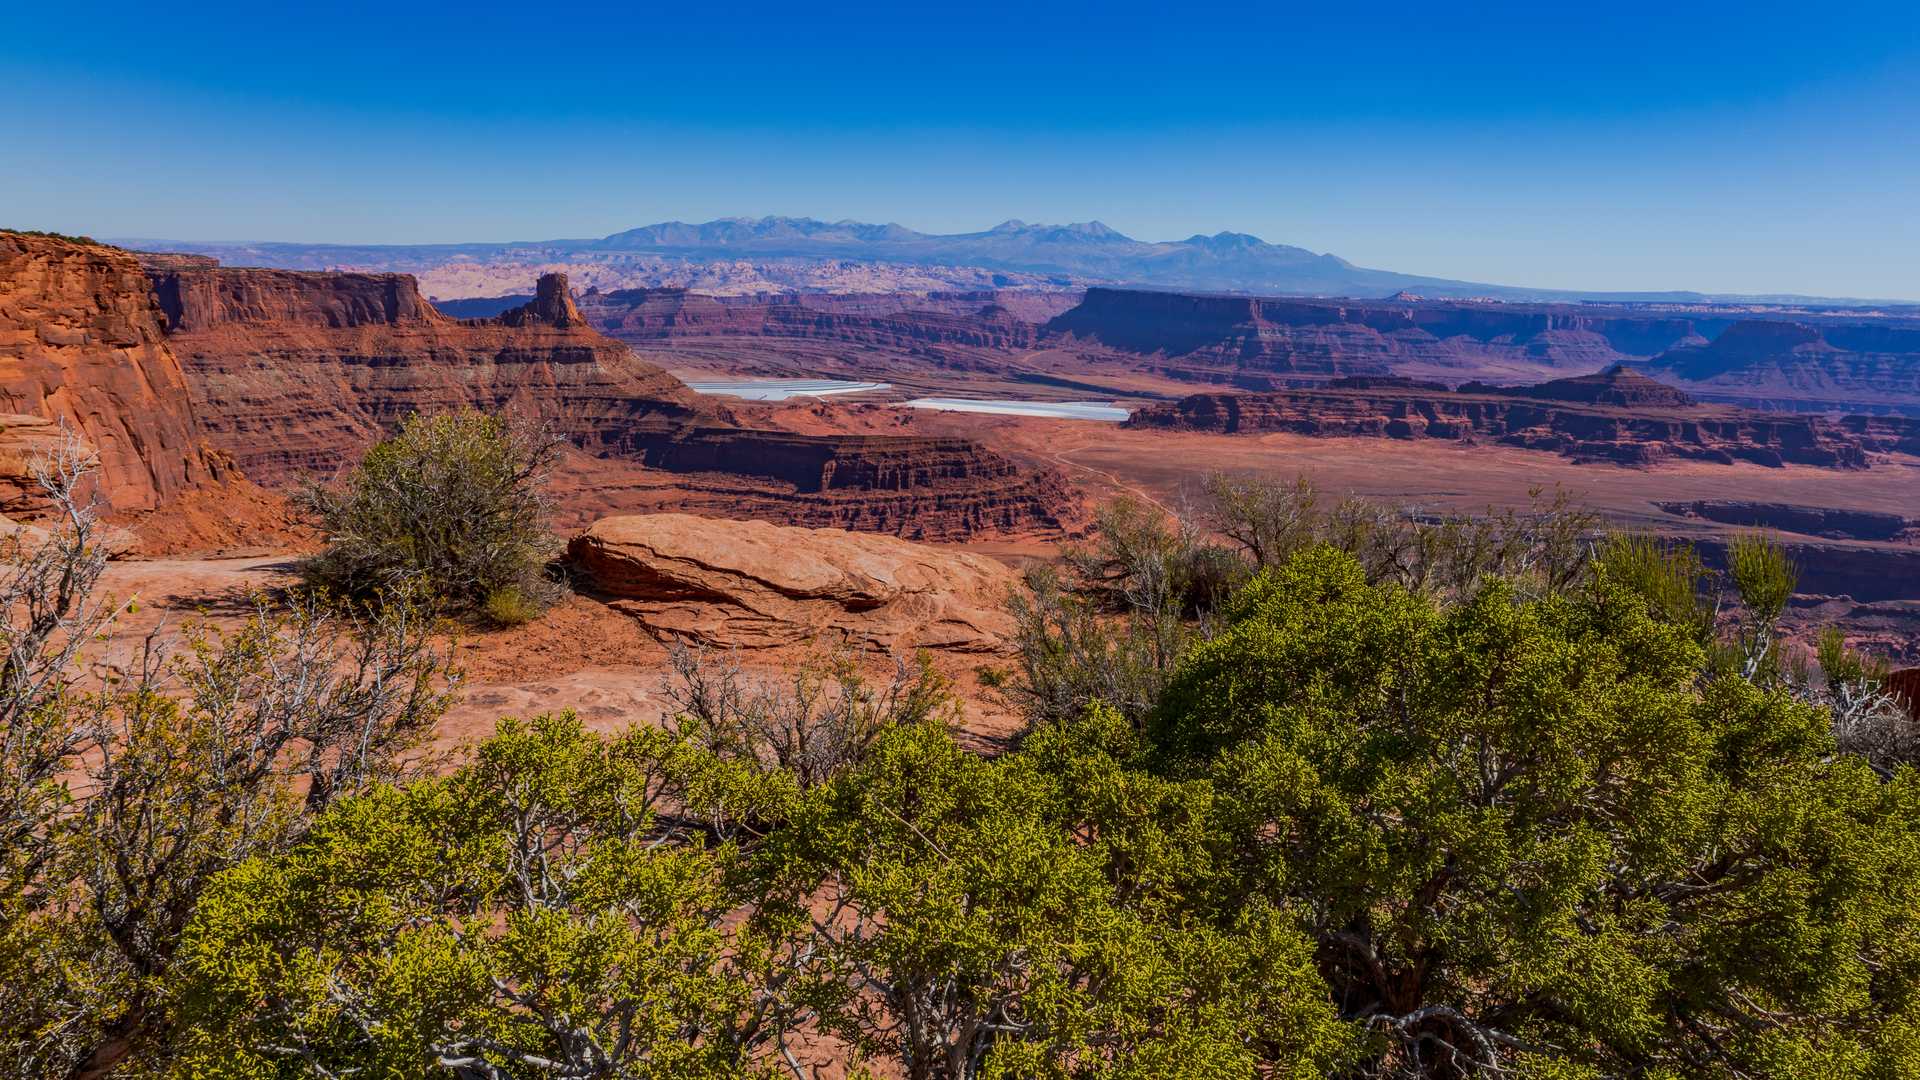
x: 815, y: 723
x: 1668, y: 576
x: 1529, y: 837
x: 450, y: 508
x: 1110, y: 625
x: 557, y: 907
x: 1071, y: 652
x: 543, y: 911
x: 1763, y: 578
x: 510, y: 605
x: 1544, y: 547
x: 122, y: 799
x: 1141, y: 560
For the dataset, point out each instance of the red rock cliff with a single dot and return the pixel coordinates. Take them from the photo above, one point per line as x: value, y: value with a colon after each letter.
x: 81, y: 340
x: 297, y: 372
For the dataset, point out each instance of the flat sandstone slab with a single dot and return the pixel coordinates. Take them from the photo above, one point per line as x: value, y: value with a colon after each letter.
x: 751, y: 584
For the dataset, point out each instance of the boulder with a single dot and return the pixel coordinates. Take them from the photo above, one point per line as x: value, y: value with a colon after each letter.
x: 751, y: 584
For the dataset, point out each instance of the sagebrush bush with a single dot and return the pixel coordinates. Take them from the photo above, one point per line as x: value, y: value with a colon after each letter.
x: 451, y: 508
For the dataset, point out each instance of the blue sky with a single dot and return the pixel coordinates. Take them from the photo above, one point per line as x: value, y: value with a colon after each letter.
x: 1728, y: 148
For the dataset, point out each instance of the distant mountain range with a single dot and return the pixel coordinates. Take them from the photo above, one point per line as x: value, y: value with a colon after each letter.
x: 1064, y: 255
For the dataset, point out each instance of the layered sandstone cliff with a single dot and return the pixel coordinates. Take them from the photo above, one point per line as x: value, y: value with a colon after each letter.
x: 296, y: 372
x: 1197, y: 334
x: 81, y: 343
x: 920, y: 488
x: 1616, y: 415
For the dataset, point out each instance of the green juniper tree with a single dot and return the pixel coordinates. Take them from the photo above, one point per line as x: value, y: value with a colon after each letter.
x: 1529, y: 837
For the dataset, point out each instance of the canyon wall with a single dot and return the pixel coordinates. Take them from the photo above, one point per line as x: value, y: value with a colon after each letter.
x: 1329, y: 338
x: 82, y: 341
x: 921, y: 488
x: 295, y: 372
x: 1616, y: 416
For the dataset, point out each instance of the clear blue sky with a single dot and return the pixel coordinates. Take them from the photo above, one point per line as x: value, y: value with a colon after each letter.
x: 1753, y: 147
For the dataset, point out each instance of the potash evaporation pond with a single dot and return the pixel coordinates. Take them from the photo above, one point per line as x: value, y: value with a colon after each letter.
x: 781, y: 389
x: 1058, y: 410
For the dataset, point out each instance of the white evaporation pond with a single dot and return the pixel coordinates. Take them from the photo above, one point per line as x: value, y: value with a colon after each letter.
x: 780, y: 389
x: 1058, y: 410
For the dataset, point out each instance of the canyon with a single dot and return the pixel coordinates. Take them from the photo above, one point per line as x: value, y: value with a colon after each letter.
x: 294, y: 373
x: 1149, y: 345
x: 272, y: 376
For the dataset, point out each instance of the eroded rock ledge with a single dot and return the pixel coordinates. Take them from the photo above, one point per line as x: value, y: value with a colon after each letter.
x: 750, y: 584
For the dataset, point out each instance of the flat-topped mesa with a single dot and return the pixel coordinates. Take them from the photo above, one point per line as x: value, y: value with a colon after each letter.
x: 1855, y: 365
x: 1617, y: 385
x: 81, y: 342
x: 1617, y: 415
x: 983, y: 320
x: 201, y: 299
x: 921, y: 488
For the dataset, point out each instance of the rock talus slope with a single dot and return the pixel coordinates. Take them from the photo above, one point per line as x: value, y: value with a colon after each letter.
x: 751, y: 584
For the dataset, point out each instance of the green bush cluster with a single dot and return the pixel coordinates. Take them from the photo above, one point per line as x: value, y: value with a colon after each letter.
x: 1363, y: 831
x: 451, y: 509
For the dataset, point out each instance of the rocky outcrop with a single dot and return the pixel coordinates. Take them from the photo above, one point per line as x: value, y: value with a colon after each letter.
x: 754, y: 585
x: 1328, y: 338
x: 1616, y: 415
x: 919, y: 488
x: 25, y: 441
x: 1617, y: 385
x: 1905, y: 685
x: 81, y: 342
x: 296, y: 372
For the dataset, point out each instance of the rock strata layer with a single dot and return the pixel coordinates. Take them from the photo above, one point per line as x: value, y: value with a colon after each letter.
x: 1323, y: 338
x: 750, y: 584
x: 295, y: 373
x: 1615, y: 416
